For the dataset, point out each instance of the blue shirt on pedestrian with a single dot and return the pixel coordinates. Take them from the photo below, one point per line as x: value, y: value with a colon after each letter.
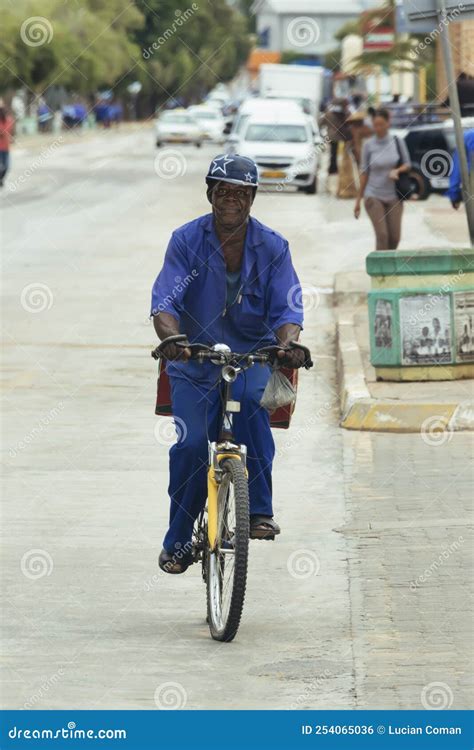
x: 192, y: 287
x: 454, y: 192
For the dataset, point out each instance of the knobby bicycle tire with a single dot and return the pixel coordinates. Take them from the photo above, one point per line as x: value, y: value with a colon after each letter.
x: 235, y: 469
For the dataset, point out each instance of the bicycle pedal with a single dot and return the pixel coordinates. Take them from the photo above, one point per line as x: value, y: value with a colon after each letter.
x: 267, y: 538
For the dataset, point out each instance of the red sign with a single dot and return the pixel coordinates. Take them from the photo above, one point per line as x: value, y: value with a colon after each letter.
x: 379, y: 40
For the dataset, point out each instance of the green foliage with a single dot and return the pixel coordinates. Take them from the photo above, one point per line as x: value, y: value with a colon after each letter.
x: 186, y: 52
x: 89, y: 44
x: 404, y: 54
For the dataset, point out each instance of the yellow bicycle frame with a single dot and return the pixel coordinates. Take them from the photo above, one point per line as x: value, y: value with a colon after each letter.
x: 212, y: 492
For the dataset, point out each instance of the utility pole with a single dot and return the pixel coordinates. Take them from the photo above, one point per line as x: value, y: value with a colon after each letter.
x: 443, y: 22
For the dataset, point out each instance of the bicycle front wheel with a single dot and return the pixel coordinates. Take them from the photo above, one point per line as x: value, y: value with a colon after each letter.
x: 227, y: 564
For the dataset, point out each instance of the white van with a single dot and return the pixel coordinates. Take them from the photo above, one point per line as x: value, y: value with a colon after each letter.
x: 254, y: 106
x: 285, y: 148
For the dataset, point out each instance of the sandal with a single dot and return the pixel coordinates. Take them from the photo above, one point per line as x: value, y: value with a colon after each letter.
x: 263, y: 527
x: 175, y: 563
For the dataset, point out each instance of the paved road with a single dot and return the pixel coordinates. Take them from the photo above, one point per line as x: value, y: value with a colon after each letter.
x: 363, y: 600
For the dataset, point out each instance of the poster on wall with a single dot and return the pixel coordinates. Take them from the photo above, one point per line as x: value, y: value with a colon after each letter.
x: 425, y: 329
x: 464, y: 326
x: 383, y: 324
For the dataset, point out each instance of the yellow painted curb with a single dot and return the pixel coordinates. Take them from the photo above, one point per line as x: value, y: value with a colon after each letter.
x: 385, y: 416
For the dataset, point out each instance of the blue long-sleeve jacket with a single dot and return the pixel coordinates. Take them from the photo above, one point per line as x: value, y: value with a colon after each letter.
x: 191, y: 286
x: 454, y: 192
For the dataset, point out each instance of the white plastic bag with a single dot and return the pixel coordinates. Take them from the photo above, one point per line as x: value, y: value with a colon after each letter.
x: 278, y: 392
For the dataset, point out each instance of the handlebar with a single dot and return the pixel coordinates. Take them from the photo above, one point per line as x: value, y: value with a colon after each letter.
x: 201, y: 352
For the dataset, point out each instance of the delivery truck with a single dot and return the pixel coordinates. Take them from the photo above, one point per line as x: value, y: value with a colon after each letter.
x: 301, y: 82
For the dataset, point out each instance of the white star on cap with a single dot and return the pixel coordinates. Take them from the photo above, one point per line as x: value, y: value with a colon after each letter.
x: 221, y: 167
x: 248, y: 177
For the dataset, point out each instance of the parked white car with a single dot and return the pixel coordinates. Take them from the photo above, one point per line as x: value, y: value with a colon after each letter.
x: 285, y: 148
x: 177, y: 126
x: 210, y: 121
x: 217, y: 101
x: 254, y: 106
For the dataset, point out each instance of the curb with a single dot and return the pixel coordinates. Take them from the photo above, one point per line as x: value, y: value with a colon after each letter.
x: 359, y: 411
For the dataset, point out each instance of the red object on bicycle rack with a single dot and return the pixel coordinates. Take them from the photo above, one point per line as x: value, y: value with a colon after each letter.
x: 279, y: 419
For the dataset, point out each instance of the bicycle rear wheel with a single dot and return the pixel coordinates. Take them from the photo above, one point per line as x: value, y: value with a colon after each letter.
x: 226, y: 577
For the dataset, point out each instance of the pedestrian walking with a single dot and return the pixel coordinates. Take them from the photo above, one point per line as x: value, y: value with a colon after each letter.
x: 7, y: 131
x: 335, y: 120
x: 350, y: 154
x: 384, y: 159
x: 361, y: 129
x: 454, y: 192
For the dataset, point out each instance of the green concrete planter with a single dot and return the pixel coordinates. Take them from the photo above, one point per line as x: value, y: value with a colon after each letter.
x: 421, y: 314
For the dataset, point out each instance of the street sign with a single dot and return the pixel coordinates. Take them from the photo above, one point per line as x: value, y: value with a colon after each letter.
x: 404, y: 26
x: 421, y: 16
x: 379, y: 40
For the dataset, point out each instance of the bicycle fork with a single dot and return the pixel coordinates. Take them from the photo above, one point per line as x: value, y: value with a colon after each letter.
x: 226, y: 447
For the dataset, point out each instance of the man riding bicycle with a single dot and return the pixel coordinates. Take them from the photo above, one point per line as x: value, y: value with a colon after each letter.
x: 229, y: 279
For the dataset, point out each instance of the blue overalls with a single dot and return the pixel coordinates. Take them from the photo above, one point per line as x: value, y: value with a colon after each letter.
x: 192, y: 287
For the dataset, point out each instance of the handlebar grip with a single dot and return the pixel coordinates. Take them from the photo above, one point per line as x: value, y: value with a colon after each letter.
x: 308, y: 361
x: 158, y: 352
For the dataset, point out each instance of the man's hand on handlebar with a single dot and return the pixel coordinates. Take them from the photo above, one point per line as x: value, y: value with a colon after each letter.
x: 294, y: 358
x: 291, y: 354
x: 176, y: 351
x: 288, y: 356
x: 167, y: 326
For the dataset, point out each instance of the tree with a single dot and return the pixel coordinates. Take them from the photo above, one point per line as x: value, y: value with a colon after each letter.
x: 185, y: 53
x: 49, y: 41
x: 108, y: 43
x: 400, y: 56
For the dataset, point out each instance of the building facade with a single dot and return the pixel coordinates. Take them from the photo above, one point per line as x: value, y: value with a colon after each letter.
x: 304, y: 26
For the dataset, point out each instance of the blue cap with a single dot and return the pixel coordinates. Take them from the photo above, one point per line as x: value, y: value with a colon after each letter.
x: 240, y: 170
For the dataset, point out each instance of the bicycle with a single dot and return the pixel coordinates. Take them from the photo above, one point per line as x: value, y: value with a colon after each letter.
x: 221, y: 535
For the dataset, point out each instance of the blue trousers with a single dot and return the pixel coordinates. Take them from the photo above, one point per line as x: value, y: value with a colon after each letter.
x: 4, y: 163
x: 197, y: 410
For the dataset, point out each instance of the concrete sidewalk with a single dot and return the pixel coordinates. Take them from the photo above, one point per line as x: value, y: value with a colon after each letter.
x: 24, y: 143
